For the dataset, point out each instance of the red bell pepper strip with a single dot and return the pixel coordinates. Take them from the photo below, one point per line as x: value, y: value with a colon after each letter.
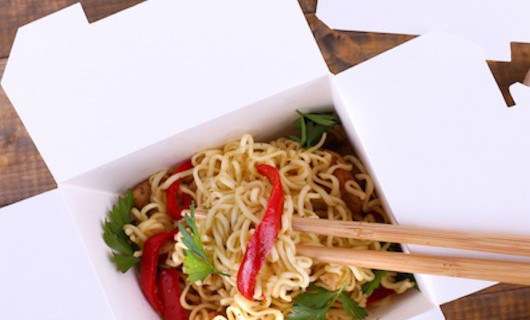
x: 149, y: 266
x: 262, y: 241
x: 173, y: 207
x: 379, y: 294
x: 169, y: 292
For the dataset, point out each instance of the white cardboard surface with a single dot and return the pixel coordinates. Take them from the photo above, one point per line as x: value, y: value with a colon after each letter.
x: 521, y: 94
x: 164, y: 66
x: 45, y: 271
x: 445, y: 150
x: 492, y: 24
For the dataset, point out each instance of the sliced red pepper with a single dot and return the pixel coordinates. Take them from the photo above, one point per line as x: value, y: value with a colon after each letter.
x: 173, y: 207
x: 149, y: 266
x: 262, y: 241
x: 169, y: 293
x: 379, y: 294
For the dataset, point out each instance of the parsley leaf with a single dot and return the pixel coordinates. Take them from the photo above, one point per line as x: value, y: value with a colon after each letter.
x: 306, y: 313
x: 114, y: 236
x: 315, y: 297
x: 352, y: 308
x: 123, y: 262
x: 316, y: 301
x: 369, y: 287
x: 198, y: 266
x: 312, y: 126
x: 312, y: 304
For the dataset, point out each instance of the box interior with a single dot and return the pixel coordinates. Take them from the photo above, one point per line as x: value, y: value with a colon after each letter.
x: 265, y: 119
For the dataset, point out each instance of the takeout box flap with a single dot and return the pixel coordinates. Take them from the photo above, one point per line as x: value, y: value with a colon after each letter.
x: 45, y: 270
x: 521, y: 95
x: 490, y: 23
x: 93, y: 93
x: 444, y: 149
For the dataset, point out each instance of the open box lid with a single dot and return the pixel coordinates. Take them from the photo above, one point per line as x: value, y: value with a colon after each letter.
x: 445, y: 150
x: 92, y: 93
x: 492, y: 24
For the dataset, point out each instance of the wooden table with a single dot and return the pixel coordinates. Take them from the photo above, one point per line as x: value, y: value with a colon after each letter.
x: 24, y: 174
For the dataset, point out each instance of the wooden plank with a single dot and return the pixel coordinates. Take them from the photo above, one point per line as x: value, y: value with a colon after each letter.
x: 507, y: 73
x: 500, y: 288
x: 342, y: 49
x: 308, y: 6
x: 511, y: 304
x: 22, y: 170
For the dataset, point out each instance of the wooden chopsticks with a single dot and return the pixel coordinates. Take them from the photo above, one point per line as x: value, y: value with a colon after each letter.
x: 502, y: 271
x: 479, y: 241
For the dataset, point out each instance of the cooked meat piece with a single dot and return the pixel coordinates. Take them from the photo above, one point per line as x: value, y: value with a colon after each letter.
x: 331, y: 280
x: 319, y: 205
x: 142, y: 194
x: 352, y: 202
x: 378, y: 217
x: 337, y: 140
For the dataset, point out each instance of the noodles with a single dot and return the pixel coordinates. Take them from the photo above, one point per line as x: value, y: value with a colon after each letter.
x: 225, y: 183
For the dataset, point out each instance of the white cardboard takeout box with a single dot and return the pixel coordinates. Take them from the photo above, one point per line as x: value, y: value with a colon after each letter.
x: 111, y: 102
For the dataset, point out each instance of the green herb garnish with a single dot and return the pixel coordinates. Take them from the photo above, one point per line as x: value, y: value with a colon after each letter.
x: 316, y: 301
x: 312, y: 126
x: 198, y: 266
x: 369, y: 287
x: 114, y: 236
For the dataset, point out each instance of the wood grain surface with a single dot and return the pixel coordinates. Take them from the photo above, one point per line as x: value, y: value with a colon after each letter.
x: 23, y: 173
